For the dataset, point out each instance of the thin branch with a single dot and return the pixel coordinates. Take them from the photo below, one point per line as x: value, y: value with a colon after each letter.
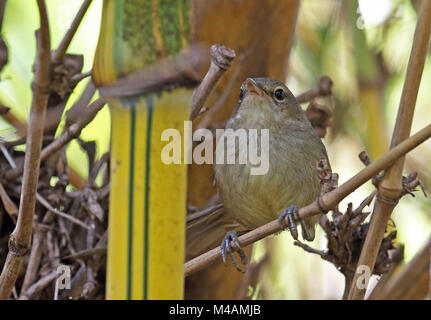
x: 7, y: 115
x: 71, y: 133
x: 323, y: 89
x: 75, y: 129
x: 58, y: 54
x: 221, y: 59
x: 2, y: 10
x: 78, y: 77
x: 36, y: 253
x: 86, y: 253
x: 390, y: 189
x: 19, y: 241
x: 66, y: 216
x: 39, y: 286
x: 8, y: 204
x: 211, y: 113
x: 77, y: 111
x: 327, y: 201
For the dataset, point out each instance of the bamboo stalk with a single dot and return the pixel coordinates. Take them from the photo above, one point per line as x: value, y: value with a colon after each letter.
x: 327, y: 201
x: 19, y: 241
x: 391, y: 186
x: 141, y: 43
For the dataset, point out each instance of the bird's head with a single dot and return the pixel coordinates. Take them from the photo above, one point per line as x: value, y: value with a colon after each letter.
x: 269, y: 98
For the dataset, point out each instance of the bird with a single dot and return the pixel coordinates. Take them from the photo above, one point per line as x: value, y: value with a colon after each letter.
x: 291, y: 181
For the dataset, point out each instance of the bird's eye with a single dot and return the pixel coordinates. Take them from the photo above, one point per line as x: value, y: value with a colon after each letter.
x: 279, y: 94
x: 241, y: 94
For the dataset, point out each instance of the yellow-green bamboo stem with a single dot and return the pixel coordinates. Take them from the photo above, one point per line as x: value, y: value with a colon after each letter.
x: 148, y: 197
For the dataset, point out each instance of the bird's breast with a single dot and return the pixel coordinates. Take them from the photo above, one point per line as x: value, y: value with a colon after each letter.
x: 291, y: 178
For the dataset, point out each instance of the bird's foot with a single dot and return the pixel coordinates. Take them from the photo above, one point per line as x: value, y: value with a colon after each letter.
x: 227, y: 248
x: 287, y: 219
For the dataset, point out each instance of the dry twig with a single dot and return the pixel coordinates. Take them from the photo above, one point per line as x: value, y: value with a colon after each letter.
x: 19, y: 241
x: 58, y: 55
x: 324, y: 88
x: 72, y: 132
x: 221, y: 59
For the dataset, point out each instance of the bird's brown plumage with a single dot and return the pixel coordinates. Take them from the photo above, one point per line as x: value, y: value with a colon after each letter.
x: 294, y: 151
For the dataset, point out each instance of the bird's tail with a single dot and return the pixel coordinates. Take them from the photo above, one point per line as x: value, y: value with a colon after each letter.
x: 207, y: 232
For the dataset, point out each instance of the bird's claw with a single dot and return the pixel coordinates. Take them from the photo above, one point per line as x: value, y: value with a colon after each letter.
x: 291, y: 214
x: 226, y: 247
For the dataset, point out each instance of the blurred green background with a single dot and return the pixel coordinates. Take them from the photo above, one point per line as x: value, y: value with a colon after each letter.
x: 363, y: 49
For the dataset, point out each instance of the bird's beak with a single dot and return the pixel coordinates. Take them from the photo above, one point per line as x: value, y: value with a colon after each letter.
x: 252, y: 87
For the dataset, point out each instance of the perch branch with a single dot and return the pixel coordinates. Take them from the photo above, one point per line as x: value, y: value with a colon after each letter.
x: 390, y: 189
x: 19, y: 241
x: 328, y: 200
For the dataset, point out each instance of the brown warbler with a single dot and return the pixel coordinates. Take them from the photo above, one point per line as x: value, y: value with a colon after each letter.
x: 291, y: 180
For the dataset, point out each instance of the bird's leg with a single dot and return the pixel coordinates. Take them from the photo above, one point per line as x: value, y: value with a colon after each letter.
x: 291, y: 214
x: 226, y: 247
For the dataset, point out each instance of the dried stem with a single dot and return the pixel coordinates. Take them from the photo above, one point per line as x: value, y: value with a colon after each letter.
x: 75, y: 129
x: 221, y: 58
x: 412, y: 282
x: 58, y: 54
x: 8, y: 204
x: 7, y: 115
x: 66, y: 216
x: 212, y: 112
x: 71, y: 133
x: 80, y: 76
x: 39, y: 286
x: 2, y: 10
x: 328, y: 200
x: 390, y: 188
x: 19, y: 241
x: 36, y: 254
x: 323, y: 89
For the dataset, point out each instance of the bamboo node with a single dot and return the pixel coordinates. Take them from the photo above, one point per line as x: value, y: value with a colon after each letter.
x: 41, y: 89
x: 16, y: 249
x: 390, y: 201
x: 321, y: 206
